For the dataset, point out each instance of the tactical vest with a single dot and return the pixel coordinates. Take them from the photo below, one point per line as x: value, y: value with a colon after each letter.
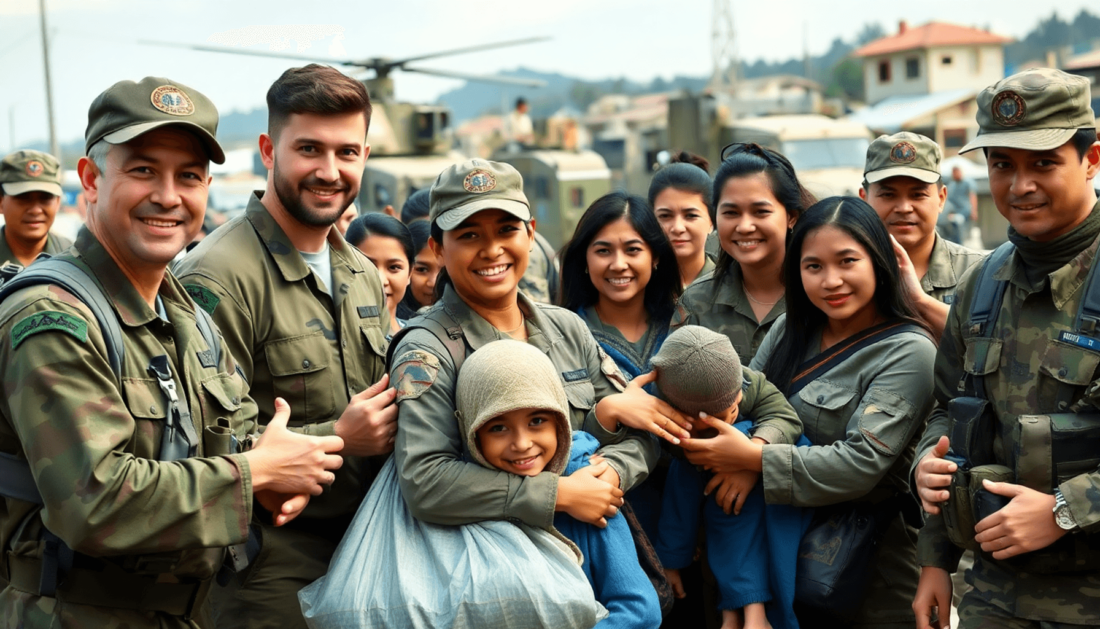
x: 1049, y: 448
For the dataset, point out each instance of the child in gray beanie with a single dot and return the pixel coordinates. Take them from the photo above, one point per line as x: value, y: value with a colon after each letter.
x: 750, y: 548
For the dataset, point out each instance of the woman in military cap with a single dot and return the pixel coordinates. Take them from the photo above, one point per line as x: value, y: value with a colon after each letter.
x: 757, y: 200
x: 481, y: 229
x: 856, y: 364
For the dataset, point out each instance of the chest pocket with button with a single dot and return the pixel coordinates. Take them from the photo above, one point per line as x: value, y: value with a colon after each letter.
x: 580, y: 393
x: 146, y: 403
x: 824, y: 411
x: 300, y: 374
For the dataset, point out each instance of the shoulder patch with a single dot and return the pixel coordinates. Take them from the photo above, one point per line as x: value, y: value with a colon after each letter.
x: 203, y: 296
x: 414, y: 373
x: 46, y: 321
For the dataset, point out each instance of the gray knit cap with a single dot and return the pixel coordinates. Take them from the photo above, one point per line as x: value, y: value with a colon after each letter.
x: 506, y: 375
x: 698, y: 370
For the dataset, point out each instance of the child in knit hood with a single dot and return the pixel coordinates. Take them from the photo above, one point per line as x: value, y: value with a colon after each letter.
x: 512, y: 410
x: 750, y: 548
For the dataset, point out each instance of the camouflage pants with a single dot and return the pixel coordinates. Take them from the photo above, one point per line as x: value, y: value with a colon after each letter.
x: 980, y: 610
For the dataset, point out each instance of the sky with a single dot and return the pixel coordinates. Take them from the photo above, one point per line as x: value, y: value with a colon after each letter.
x: 94, y: 43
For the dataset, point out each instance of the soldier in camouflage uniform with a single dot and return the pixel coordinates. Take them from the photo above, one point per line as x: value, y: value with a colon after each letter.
x: 148, y: 534
x: 305, y: 312
x: 902, y: 182
x: 1039, y: 136
x: 30, y: 195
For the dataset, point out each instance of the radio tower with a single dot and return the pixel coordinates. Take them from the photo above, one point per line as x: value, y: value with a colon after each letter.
x: 723, y: 79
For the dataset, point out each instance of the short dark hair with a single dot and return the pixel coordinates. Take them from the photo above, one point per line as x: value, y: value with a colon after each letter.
x: 745, y: 159
x: 1082, y: 140
x: 314, y: 89
x: 664, y: 286
x: 686, y: 174
x: 520, y: 101
x: 420, y: 232
x: 379, y: 224
x: 416, y: 206
x: 855, y: 217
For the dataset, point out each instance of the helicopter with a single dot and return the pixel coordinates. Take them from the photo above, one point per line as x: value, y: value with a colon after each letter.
x: 410, y: 143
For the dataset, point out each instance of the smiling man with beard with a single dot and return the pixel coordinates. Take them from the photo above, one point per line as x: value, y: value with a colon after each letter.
x: 305, y: 313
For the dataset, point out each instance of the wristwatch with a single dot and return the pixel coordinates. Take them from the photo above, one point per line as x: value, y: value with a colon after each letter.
x: 1063, y: 517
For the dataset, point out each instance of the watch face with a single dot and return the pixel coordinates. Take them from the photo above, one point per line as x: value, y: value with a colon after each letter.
x: 1064, y: 518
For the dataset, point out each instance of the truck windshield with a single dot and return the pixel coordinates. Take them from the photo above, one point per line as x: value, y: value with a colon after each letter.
x: 826, y: 153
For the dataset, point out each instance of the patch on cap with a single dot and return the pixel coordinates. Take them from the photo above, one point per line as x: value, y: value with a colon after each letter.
x: 479, y: 181
x: 1008, y: 108
x: 171, y: 100
x: 35, y: 168
x: 903, y: 153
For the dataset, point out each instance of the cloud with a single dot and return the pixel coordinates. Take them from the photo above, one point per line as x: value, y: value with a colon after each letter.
x: 279, y: 37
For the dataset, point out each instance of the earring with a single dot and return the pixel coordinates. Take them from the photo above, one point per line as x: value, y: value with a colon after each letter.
x: 654, y: 266
x: 586, y: 270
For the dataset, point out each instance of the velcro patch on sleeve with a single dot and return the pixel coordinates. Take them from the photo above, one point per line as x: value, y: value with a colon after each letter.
x: 203, y: 296
x: 47, y: 321
x: 414, y: 374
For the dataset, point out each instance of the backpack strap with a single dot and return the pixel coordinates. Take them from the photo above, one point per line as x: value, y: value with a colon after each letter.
x: 986, y: 305
x: 446, y: 330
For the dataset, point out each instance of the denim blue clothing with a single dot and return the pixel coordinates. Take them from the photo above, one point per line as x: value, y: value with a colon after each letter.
x: 753, y: 555
x: 610, y: 559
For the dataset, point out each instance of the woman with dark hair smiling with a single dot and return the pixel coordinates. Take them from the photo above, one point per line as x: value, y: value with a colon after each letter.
x: 620, y: 275
x: 757, y: 199
x: 680, y: 195
x: 856, y: 364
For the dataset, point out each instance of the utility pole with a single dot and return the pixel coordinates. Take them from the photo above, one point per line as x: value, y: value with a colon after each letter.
x: 723, y: 78
x: 55, y: 150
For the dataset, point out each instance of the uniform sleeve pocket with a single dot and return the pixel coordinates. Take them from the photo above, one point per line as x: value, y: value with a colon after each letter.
x: 826, y: 395
x: 1066, y: 363
x: 885, y: 421
x: 983, y: 356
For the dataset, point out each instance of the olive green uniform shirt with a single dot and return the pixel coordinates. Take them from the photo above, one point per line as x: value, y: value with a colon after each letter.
x: 93, y: 445
x: 438, y: 484
x: 863, y: 417
x: 725, y: 308
x: 54, y: 244
x: 294, y: 340
x: 1026, y: 370
x: 946, y: 266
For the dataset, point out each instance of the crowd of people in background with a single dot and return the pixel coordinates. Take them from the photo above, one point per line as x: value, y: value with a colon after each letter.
x: 678, y: 401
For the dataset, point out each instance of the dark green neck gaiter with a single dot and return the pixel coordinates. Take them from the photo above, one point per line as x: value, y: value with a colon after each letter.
x: 1043, y: 258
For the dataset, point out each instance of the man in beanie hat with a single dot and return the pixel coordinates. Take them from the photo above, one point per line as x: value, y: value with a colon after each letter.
x: 902, y: 182
x: 515, y: 420
x: 1039, y: 564
x: 30, y: 195
x: 135, y: 491
x: 699, y: 373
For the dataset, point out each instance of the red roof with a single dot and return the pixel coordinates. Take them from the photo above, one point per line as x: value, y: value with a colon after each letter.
x: 931, y: 35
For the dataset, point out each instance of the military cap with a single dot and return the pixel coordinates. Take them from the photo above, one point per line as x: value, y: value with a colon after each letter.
x: 698, y: 371
x: 30, y: 171
x: 1038, y: 110
x: 465, y: 189
x: 903, y: 155
x: 128, y: 109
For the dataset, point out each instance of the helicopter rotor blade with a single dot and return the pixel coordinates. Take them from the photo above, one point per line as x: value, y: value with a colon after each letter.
x: 483, y: 78
x: 259, y: 53
x: 459, y: 51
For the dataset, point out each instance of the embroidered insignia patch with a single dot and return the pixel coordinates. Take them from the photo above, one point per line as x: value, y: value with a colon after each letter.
x: 903, y: 153
x: 365, y: 312
x: 414, y: 374
x: 206, y: 358
x: 203, y: 297
x: 1008, y: 108
x: 171, y: 100
x: 35, y: 168
x: 479, y: 181
x: 46, y: 321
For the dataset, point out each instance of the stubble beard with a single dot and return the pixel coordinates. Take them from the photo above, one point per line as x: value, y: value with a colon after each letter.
x: 291, y: 199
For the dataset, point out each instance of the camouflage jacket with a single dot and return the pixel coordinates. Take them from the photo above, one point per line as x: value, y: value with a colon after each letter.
x: 438, y: 484
x: 93, y: 446
x: 863, y: 417
x: 295, y: 341
x: 724, y: 307
x: 1027, y: 368
x: 54, y: 244
x: 946, y: 266
x: 540, y: 280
